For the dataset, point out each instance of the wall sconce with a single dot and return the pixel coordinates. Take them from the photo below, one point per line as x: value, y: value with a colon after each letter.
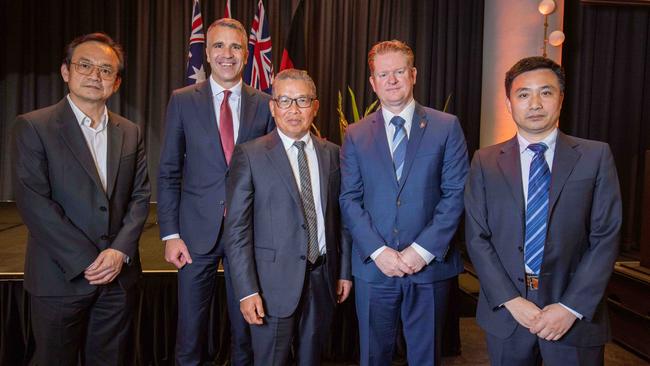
x: 556, y: 38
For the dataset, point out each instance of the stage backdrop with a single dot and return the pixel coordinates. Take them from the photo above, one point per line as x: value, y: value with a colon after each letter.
x: 446, y: 36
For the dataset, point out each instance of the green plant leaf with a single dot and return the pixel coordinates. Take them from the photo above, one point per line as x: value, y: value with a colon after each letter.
x: 353, y: 100
x: 447, y: 102
x: 371, y: 108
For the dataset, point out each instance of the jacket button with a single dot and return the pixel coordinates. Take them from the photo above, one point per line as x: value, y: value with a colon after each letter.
x: 104, y: 237
x: 302, y: 257
x: 221, y: 203
x: 102, y: 208
x: 304, y: 226
x: 521, y: 249
x: 520, y: 279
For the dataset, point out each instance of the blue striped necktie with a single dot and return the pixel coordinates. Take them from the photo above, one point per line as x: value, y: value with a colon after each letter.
x: 539, y: 182
x: 399, y: 145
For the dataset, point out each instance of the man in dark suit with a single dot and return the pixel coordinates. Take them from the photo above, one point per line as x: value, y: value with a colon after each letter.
x: 81, y: 187
x: 203, y: 123
x: 403, y: 169
x: 542, y: 230
x: 289, y: 262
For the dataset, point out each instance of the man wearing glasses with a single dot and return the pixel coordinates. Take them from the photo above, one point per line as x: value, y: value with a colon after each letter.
x: 283, y: 236
x: 82, y: 190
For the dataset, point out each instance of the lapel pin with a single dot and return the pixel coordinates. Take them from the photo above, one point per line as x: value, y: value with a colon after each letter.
x: 422, y: 124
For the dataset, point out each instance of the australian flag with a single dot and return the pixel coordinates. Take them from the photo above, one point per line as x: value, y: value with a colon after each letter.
x: 195, y: 71
x: 259, y: 68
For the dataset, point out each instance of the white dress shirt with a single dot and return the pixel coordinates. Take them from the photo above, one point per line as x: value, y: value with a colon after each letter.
x: 526, y: 158
x: 407, y: 115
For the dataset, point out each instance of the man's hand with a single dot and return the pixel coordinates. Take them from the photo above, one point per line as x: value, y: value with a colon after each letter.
x: 390, y: 263
x: 343, y: 288
x: 176, y: 253
x: 105, y: 268
x: 412, y: 259
x: 252, y: 309
x: 525, y: 312
x: 555, y: 320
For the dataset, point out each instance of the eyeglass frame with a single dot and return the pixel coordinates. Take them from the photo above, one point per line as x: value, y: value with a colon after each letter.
x: 295, y: 100
x: 94, y: 68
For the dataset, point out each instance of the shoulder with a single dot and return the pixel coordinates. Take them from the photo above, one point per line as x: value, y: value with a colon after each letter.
x: 188, y: 91
x: 42, y: 115
x: 362, y: 126
x: 122, y: 122
x: 254, y: 93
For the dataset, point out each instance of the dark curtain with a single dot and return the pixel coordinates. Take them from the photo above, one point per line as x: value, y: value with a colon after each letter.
x: 446, y: 36
x: 608, y: 93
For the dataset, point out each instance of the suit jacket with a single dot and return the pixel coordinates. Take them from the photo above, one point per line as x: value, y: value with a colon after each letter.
x: 192, y: 172
x: 581, y: 241
x: 424, y: 207
x: 60, y: 198
x: 266, y: 232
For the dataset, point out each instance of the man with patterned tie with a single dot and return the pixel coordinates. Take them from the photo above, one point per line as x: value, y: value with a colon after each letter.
x: 403, y: 170
x: 289, y: 260
x: 543, y: 213
x: 204, y: 122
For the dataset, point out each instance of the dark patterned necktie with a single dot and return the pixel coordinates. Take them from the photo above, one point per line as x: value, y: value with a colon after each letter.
x: 309, y: 208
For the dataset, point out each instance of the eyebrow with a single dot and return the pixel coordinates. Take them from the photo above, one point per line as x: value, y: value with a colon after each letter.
x: 91, y: 62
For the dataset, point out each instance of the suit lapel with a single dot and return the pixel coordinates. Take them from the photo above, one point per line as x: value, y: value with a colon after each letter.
x: 323, y: 170
x: 280, y: 161
x: 204, y: 106
x: 418, y: 126
x: 71, y: 133
x: 564, y: 161
x: 248, y: 106
x: 378, y: 129
x: 114, y: 153
x: 510, y: 164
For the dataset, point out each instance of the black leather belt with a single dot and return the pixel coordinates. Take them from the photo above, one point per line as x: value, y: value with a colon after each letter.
x: 319, y: 262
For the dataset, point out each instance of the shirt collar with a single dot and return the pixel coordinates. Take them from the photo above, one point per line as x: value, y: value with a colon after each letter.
x: 83, y: 119
x: 288, y: 141
x: 406, y: 113
x: 218, y: 89
x: 549, y: 140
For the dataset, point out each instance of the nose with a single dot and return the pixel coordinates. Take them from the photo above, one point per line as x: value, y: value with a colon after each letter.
x: 95, y: 73
x: 392, y: 78
x: 535, y: 101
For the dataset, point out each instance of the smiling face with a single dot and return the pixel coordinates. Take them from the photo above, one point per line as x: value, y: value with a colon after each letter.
x: 393, y: 80
x: 91, y: 88
x: 227, y: 54
x: 294, y: 121
x: 535, y: 103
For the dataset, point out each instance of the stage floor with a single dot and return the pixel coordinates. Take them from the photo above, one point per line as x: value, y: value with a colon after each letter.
x: 13, y: 238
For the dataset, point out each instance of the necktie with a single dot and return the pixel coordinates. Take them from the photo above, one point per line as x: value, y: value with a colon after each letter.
x: 537, y: 208
x: 399, y: 145
x: 226, y: 127
x: 309, y: 208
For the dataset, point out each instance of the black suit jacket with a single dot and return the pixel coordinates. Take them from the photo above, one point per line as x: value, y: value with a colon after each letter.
x: 60, y: 198
x: 266, y: 233
x: 581, y: 242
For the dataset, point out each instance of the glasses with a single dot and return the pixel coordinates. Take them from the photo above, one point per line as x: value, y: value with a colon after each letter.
x: 301, y: 102
x: 86, y: 68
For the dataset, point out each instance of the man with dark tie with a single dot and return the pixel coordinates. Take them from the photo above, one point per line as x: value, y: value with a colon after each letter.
x: 289, y: 261
x: 204, y: 122
x: 403, y: 169
x: 82, y: 190
x: 543, y: 213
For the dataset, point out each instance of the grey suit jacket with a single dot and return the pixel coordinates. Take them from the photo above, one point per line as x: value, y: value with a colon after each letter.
x: 60, y: 198
x: 581, y: 243
x: 266, y: 234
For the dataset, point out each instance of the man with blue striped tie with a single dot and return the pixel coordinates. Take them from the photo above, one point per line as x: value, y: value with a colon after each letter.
x: 543, y: 213
x: 403, y: 170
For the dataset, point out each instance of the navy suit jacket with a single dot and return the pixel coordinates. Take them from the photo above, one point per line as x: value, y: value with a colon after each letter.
x: 581, y: 241
x: 192, y: 172
x: 425, y: 207
x: 266, y: 232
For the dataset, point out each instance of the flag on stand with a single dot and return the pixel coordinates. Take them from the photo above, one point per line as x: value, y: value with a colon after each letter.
x: 259, y: 68
x: 294, y: 54
x: 195, y: 71
x: 228, y: 12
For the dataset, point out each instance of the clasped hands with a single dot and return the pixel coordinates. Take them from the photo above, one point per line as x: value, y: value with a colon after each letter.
x: 398, y: 264
x: 549, y: 323
x: 105, y: 267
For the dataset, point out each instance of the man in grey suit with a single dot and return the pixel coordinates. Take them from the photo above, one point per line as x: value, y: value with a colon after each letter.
x: 290, y: 264
x: 81, y: 184
x: 542, y: 229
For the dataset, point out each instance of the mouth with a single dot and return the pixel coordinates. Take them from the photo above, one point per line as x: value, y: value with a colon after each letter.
x: 536, y: 117
x: 91, y: 86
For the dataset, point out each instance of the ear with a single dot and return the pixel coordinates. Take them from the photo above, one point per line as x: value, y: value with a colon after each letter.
x: 272, y: 107
x: 65, y: 72
x: 315, y: 105
x: 372, y: 83
x: 415, y: 74
x: 117, y: 83
x: 508, y: 105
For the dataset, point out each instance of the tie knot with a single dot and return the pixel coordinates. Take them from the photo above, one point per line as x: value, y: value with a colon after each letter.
x: 226, y: 94
x: 300, y: 145
x: 538, y: 148
x: 398, y: 122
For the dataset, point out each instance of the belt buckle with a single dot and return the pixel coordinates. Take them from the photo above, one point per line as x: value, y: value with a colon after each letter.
x: 532, y: 282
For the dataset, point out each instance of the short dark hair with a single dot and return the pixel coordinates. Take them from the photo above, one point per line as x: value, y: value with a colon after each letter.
x: 232, y: 24
x: 295, y: 74
x: 534, y: 63
x: 95, y: 37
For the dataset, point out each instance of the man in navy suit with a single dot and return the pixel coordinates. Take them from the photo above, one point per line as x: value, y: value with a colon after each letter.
x: 403, y: 169
x: 203, y: 123
x: 542, y: 230
x: 289, y: 259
